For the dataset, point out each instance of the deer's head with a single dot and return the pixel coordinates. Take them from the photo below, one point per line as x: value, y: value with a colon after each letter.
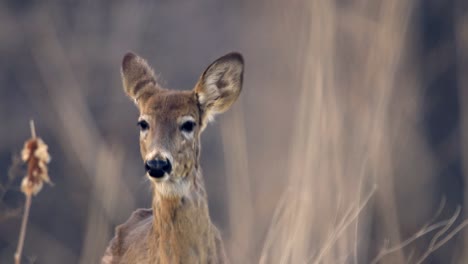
x: 171, y: 121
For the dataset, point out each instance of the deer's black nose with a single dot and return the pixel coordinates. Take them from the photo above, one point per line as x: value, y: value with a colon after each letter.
x: 157, y: 168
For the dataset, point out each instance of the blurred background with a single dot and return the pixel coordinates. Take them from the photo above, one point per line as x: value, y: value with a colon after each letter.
x: 349, y: 143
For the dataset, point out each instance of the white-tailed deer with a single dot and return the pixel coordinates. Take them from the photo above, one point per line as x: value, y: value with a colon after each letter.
x: 178, y: 228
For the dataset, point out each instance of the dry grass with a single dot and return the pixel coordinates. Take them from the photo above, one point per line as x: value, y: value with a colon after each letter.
x: 353, y: 135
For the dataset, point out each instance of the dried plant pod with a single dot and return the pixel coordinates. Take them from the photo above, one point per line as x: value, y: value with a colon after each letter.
x: 30, y: 188
x: 35, y: 154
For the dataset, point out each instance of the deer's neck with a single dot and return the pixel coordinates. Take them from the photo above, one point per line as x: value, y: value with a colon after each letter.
x: 181, y: 225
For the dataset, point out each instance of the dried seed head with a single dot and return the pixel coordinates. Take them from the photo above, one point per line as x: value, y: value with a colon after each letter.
x: 35, y: 154
x: 29, y: 187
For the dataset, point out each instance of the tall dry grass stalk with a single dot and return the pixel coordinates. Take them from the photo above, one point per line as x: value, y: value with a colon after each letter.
x: 238, y: 182
x: 80, y: 137
x: 37, y: 157
x: 354, y: 138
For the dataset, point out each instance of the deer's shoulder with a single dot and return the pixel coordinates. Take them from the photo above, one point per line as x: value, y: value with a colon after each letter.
x: 133, y: 230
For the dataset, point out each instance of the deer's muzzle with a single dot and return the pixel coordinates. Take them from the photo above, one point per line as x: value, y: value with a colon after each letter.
x: 157, y: 168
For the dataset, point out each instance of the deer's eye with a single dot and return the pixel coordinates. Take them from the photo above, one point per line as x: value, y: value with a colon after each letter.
x: 143, y: 125
x: 187, y: 126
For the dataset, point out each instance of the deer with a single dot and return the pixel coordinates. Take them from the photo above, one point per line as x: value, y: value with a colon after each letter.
x: 177, y: 228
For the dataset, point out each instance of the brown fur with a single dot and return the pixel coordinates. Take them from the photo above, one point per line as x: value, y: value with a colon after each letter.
x: 178, y: 228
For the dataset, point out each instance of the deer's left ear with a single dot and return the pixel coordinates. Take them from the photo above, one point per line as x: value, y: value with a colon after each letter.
x: 220, y: 85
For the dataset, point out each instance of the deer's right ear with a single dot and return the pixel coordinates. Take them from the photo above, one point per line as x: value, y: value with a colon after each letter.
x: 137, y: 76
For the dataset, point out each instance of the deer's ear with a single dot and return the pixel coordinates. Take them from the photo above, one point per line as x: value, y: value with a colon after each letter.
x: 137, y: 76
x: 220, y: 85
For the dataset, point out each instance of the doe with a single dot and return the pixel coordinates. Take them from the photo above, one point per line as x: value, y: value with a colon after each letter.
x: 178, y: 228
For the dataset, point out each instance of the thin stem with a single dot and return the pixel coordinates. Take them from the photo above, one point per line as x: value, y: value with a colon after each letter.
x: 443, y: 241
x: 24, y: 225
x: 27, y: 207
x: 33, y: 128
x: 346, y: 221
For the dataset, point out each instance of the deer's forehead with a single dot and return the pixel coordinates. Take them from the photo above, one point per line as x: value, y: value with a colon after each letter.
x: 169, y: 105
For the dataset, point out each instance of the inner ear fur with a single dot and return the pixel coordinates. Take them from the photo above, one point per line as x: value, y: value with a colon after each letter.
x: 220, y: 85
